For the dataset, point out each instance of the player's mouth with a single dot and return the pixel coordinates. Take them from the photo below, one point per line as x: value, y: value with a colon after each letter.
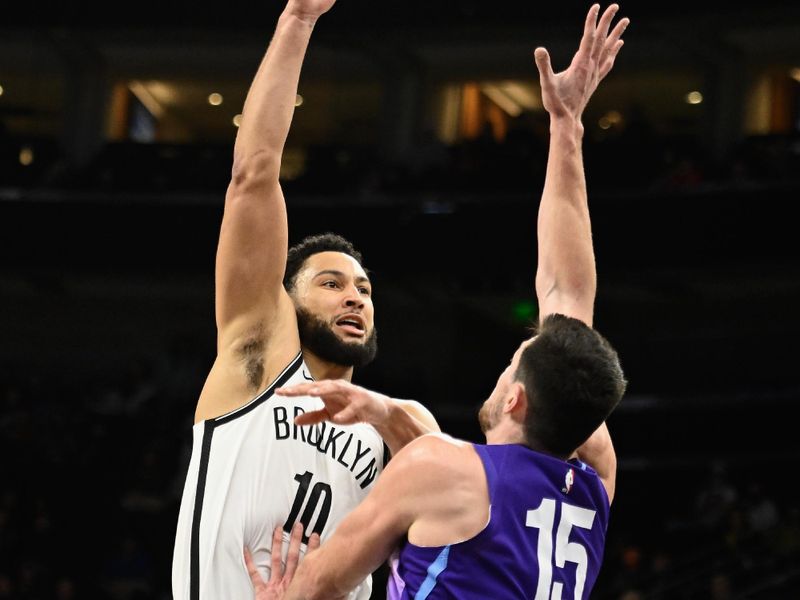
x: 352, y: 324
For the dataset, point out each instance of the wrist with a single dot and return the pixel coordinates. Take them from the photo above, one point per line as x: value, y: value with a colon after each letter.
x: 384, y: 415
x: 570, y: 126
x: 295, y: 13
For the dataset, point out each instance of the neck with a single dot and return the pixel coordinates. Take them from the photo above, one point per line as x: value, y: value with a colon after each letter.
x: 322, y: 369
x: 506, y: 432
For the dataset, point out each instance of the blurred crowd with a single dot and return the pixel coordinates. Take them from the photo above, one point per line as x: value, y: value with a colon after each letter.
x: 635, y: 157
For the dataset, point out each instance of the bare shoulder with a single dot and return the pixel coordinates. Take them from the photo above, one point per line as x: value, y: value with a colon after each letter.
x: 436, y: 457
x: 437, y: 442
x: 448, y: 488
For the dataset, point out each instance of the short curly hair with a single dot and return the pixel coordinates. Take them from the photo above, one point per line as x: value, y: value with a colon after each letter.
x: 314, y: 244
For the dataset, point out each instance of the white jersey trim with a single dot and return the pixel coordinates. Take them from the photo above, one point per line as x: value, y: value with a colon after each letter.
x: 291, y: 367
x: 208, y: 433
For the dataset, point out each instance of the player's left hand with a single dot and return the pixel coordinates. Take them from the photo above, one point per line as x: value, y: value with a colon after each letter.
x: 345, y: 403
x: 281, y: 577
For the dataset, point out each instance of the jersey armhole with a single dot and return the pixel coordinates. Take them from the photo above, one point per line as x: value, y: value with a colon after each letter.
x: 489, y: 469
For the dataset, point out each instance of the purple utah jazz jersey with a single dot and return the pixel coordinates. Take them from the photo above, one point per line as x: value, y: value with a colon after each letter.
x: 544, y: 539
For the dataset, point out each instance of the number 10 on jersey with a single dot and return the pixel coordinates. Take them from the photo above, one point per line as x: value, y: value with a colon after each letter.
x: 543, y: 519
x: 320, y: 492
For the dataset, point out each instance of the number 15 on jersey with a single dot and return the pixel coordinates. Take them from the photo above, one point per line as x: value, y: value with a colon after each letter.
x: 543, y: 519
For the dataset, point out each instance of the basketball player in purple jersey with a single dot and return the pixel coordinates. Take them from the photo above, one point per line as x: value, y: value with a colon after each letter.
x: 522, y: 516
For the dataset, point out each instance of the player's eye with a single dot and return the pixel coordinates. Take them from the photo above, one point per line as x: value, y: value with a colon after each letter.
x: 330, y: 283
x: 364, y: 290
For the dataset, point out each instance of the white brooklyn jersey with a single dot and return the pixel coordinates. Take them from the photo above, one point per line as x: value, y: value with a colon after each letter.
x: 252, y: 470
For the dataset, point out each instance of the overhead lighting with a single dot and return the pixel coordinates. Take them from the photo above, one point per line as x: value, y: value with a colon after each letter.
x: 1, y: 90
x: 694, y: 97
x: 794, y: 74
x: 163, y: 91
x: 298, y: 100
x: 524, y: 94
x: 144, y: 96
x: 25, y: 156
x: 215, y: 99
x: 502, y: 99
x: 237, y: 120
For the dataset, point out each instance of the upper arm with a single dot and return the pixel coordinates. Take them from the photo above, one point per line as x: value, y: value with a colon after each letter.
x: 598, y: 452
x: 252, y: 249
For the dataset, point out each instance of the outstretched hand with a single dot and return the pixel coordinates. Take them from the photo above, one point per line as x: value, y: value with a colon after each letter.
x: 345, y: 403
x: 280, y: 578
x: 567, y: 93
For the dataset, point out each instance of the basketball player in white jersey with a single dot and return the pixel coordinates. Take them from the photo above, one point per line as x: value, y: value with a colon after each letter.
x: 434, y: 498
x: 283, y: 317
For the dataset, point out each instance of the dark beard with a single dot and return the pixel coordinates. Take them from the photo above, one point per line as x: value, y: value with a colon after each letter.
x: 317, y: 337
x: 488, y: 416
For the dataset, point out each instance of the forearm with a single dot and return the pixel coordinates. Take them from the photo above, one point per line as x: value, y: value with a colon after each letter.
x: 270, y: 102
x: 316, y: 580
x: 566, y: 280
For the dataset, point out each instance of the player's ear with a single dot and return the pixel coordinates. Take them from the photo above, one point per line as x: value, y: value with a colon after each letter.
x: 516, y: 401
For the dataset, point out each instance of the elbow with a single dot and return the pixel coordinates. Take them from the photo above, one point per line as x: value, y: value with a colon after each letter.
x: 573, y: 288
x: 254, y: 169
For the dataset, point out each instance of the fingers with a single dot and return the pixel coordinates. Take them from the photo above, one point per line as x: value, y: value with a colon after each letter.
x: 343, y: 416
x: 346, y: 416
x: 617, y: 32
x: 589, y: 31
x: 313, y: 417
x: 602, y: 30
x: 546, y: 74
x: 275, y: 558
x: 255, y: 576
x: 313, y: 542
x: 612, y: 47
x: 313, y: 388
x: 300, y: 389
x: 293, y: 556
x: 608, y: 62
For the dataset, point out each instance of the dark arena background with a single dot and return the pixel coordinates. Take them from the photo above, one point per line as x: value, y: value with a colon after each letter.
x: 420, y: 135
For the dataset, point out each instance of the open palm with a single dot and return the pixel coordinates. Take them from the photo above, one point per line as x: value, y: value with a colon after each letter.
x: 280, y: 576
x: 567, y: 93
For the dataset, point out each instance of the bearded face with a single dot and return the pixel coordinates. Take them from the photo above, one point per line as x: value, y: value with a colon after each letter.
x: 489, y: 414
x: 318, y: 337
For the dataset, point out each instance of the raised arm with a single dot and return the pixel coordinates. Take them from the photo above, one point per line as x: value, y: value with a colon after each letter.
x: 598, y: 453
x: 566, y: 280
x: 256, y: 325
x: 251, y: 256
